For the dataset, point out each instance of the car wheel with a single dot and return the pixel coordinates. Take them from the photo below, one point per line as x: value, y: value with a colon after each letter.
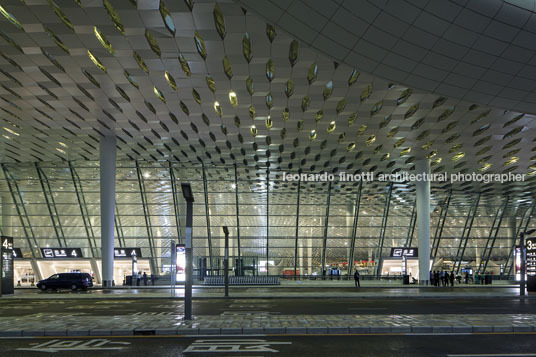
x: 74, y: 287
x: 43, y: 287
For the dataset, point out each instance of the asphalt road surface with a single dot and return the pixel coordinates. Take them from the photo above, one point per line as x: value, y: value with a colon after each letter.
x: 471, y: 345
x: 307, y: 306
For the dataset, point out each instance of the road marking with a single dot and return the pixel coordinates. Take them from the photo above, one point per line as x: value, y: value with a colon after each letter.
x: 164, y: 313
x: 97, y: 344
x: 367, y: 308
x: 233, y: 345
x: 495, y: 355
x: 248, y: 313
x: 264, y: 306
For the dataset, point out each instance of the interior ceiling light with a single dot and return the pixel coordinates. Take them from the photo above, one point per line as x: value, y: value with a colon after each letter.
x: 153, y: 43
x: 217, y: 109
x: 5, y: 136
x: 170, y: 80
x: 11, y: 18
x: 246, y: 47
x: 61, y: 15
x: 166, y: 16
x: 353, y: 77
x: 405, y: 151
x: 96, y: 61
x: 233, y: 99
x: 62, y: 151
x: 63, y: 144
x: 113, y: 15
x: 485, y: 167
x: 331, y: 127
x: 511, y: 161
x: 458, y: 156
x: 11, y: 131
x: 102, y: 39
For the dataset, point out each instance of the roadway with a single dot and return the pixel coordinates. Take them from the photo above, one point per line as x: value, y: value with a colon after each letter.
x: 379, y: 345
x: 289, y: 306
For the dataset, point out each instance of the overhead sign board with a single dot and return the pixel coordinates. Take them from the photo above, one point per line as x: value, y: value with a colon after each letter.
x: 127, y: 252
x: 181, y: 262
x: 6, y: 269
x: 404, y: 252
x: 531, y: 256
x: 17, y: 253
x: 61, y: 253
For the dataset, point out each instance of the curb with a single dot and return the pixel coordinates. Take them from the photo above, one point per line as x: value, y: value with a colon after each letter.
x: 297, y: 330
x: 374, y: 297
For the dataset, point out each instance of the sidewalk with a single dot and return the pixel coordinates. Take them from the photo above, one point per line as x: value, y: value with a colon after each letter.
x: 284, y: 291
x: 245, y: 322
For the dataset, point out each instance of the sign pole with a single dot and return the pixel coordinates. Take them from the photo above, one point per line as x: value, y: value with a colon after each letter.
x: 188, y: 196
x: 173, y: 267
x: 522, y: 270
x: 226, y: 261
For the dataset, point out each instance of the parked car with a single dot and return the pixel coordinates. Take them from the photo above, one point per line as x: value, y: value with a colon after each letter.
x: 73, y: 281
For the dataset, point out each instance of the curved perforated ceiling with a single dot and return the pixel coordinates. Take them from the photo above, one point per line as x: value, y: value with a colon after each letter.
x: 211, y: 83
x: 482, y: 51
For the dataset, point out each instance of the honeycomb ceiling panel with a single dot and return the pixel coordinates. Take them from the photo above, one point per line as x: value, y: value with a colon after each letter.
x: 213, y: 84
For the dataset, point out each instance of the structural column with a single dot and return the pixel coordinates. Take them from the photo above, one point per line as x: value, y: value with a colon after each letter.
x: 422, y: 167
x: 107, y: 203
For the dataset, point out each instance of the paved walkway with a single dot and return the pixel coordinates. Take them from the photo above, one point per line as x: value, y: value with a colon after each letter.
x: 200, y: 292
x: 244, y: 322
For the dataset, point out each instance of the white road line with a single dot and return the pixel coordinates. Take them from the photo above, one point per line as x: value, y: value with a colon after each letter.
x: 495, y: 355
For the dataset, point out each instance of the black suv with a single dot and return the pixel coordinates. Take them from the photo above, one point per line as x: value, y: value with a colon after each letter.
x: 73, y: 281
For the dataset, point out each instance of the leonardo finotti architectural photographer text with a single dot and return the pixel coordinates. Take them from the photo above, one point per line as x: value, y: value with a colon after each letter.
x: 403, y: 176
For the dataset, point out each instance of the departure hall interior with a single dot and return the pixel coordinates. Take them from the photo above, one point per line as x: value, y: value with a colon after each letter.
x: 108, y: 108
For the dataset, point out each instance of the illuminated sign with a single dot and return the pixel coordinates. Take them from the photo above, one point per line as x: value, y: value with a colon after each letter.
x: 531, y: 256
x: 17, y: 253
x: 181, y: 262
x: 127, y: 252
x: 518, y: 263
x: 6, y: 249
x: 404, y: 252
x: 61, y: 253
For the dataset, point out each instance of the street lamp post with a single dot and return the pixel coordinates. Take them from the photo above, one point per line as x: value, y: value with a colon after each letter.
x: 189, y: 197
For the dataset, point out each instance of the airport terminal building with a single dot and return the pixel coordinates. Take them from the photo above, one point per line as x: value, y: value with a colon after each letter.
x: 285, y: 118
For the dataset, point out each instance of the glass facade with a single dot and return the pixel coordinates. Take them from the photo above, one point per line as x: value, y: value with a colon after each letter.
x: 278, y: 226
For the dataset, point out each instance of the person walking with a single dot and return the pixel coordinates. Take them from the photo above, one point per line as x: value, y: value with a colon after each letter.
x: 152, y: 279
x: 436, y: 278
x: 356, y: 279
x: 145, y: 278
x: 432, y: 282
x: 138, y: 278
x: 452, y: 278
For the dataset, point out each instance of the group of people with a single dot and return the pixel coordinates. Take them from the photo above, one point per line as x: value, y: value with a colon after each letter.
x: 441, y: 278
x: 139, y: 277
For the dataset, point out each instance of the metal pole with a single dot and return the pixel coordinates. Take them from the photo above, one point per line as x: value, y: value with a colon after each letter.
x: 173, y: 267
x: 226, y: 261
x: 188, y: 196
x: 523, y: 265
